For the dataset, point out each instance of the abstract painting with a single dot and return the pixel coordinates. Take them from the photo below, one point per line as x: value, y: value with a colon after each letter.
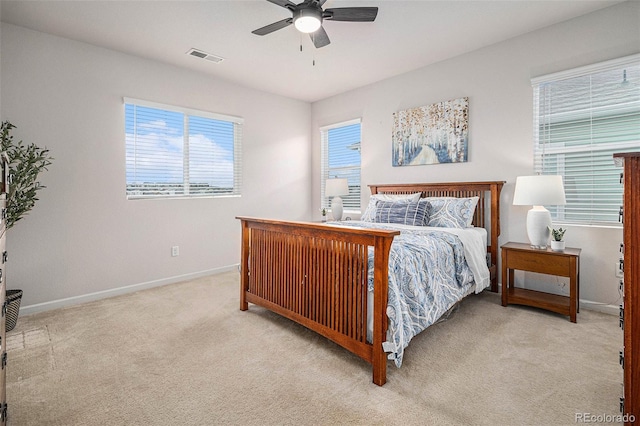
x: 433, y: 134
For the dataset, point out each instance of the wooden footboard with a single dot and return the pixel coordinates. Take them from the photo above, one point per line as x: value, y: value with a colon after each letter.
x: 316, y: 275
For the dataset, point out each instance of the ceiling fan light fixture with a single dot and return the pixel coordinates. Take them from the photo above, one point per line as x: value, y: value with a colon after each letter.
x: 308, y: 16
x: 307, y: 20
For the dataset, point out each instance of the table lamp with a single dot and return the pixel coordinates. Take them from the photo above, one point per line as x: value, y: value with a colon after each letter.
x: 538, y: 191
x: 335, y: 188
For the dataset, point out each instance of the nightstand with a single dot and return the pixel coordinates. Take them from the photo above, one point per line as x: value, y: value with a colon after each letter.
x: 560, y: 263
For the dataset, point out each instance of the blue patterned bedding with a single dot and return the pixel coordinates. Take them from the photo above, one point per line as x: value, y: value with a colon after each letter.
x: 428, y: 274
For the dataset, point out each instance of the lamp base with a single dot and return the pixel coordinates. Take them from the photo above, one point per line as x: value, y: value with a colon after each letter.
x: 538, y: 223
x: 336, y: 208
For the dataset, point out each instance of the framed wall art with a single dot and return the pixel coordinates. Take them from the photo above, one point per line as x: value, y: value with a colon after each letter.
x: 432, y: 134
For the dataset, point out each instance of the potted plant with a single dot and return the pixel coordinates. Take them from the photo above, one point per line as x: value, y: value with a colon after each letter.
x: 24, y: 163
x: 324, y: 214
x: 557, y: 242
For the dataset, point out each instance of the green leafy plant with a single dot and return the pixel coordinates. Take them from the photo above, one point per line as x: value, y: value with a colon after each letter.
x: 557, y: 234
x: 25, y: 163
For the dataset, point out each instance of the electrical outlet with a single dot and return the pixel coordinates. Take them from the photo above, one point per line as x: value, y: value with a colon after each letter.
x: 619, y: 268
x: 175, y: 251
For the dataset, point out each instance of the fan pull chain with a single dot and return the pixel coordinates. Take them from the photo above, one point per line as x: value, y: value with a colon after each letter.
x: 313, y: 59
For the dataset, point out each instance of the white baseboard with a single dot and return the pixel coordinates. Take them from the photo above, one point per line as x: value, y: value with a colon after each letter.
x: 600, y: 307
x: 76, y: 300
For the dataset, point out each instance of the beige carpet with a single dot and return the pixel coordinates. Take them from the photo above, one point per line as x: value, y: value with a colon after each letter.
x: 184, y: 354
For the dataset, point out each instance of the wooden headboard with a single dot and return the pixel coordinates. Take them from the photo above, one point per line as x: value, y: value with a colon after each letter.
x: 489, y: 197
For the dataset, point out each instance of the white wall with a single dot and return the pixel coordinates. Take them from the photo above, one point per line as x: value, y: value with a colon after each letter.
x: 497, y: 81
x: 83, y: 235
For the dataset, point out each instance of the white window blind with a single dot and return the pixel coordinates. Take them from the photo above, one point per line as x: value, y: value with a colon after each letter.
x: 581, y: 118
x: 341, y: 159
x: 179, y: 152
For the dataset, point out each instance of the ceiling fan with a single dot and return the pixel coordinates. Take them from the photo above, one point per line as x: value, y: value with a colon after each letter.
x: 308, y: 16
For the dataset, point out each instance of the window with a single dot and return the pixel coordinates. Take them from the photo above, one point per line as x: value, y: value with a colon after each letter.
x: 581, y: 118
x: 177, y: 152
x: 341, y: 159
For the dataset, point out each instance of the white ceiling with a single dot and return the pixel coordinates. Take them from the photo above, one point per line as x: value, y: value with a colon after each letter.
x: 405, y: 36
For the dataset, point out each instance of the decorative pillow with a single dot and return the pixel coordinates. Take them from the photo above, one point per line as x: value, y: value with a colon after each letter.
x: 369, y: 214
x: 404, y: 212
x: 451, y: 212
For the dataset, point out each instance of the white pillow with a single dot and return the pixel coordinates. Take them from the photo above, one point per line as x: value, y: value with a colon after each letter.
x: 369, y: 214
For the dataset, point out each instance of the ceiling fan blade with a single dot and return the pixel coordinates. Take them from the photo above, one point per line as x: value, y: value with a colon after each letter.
x: 351, y: 14
x: 284, y: 3
x: 319, y: 38
x: 273, y: 27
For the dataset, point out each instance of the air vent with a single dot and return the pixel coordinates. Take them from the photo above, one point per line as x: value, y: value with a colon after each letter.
x: 204, y: 55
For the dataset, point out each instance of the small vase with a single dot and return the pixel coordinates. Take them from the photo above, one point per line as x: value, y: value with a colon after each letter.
x: 557, y: 245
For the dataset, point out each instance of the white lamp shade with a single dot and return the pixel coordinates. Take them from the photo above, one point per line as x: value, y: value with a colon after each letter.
x: 335, y: 187
x: 539, y: 190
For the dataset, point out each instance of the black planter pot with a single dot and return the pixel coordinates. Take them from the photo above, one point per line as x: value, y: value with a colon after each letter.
x: 14, y: 297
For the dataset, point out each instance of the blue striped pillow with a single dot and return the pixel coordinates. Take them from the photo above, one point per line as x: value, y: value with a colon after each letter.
x: 369, y: 214
x: 414, y: 213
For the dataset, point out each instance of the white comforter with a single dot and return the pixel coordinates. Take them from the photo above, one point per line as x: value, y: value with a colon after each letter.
x: 430, y: 270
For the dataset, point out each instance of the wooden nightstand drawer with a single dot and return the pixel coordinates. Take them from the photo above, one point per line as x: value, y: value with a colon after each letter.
x: 537, y: 262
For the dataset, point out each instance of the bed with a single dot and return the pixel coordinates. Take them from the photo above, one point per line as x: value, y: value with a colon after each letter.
x: 334, y: 278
